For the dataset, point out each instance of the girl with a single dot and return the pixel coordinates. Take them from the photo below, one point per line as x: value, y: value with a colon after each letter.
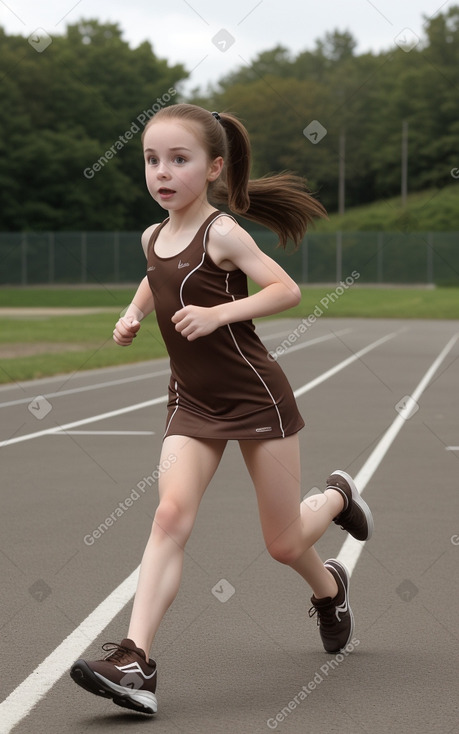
x: 223, y: 385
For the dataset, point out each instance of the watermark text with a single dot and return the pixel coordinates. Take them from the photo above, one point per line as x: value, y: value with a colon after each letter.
x: 136, y: 126
x: 318, y: 311
x: 128, y: 502
x: 307, y: 689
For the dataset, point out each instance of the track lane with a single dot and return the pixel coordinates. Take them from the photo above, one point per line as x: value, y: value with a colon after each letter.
x: 344, y: 378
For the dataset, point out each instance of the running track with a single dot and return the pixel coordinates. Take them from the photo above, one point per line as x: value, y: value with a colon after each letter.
x: 237, y: 652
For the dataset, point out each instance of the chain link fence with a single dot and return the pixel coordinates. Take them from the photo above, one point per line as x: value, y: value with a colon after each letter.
x: 67, y: 258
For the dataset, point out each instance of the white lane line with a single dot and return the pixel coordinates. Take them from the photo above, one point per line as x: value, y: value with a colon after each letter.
x: 294, y: 348
x: 20, y: 702
x: 160, y: 373
x: 84, y: 421
x: 337, y: 368
x: 163, y: 399
x: 86, y: 388
x: 105, y: 433
x: 285, y: 334
x: 351, y: 548
x: 452, y: 448
x: 127, y: 380
x: 274, y: 335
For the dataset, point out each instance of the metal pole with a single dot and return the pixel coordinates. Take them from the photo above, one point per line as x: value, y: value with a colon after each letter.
x: 304, y: 260
x: 339, y: 256
x: 116, y: 256
x: 83, y: 257
x: 24, y: 259
x: 51, y: 257
x: 342, y: 172
x: 380, y: 256
x: 404, y: 161
x: 430, y: 273
x: 341, y: 202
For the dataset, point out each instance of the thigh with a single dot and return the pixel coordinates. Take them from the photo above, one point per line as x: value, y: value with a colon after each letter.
x: 190, y: 464
x: 274, y: 466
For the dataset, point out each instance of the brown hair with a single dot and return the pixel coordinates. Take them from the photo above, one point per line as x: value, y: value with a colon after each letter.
x: 281, y: 202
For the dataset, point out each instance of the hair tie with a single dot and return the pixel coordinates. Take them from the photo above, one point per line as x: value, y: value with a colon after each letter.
x: 217, y: 116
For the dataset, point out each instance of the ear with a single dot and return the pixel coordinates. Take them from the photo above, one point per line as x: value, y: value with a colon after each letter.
x: 215, y: 169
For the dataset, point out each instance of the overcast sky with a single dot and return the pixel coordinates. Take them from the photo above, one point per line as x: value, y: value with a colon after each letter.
x: 211, y: 38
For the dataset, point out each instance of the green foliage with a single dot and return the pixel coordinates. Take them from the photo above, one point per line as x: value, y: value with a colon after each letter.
x: 68, y: 110
x: 61, y: 111
x: 367, y: 97
x: 432, y: 210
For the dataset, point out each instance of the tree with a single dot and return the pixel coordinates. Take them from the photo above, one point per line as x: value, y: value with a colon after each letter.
x: 70, y: 108
x: 337, y: 46
x: 62, y: 110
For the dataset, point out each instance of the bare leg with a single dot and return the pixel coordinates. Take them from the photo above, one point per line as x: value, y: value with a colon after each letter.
x: 181, y: 489
x: 291, y: 527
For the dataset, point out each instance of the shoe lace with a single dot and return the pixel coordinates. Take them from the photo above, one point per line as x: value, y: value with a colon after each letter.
x: 325, y: 615
x: 115, y: 653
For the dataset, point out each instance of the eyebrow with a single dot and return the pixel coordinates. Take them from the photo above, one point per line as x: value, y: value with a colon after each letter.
x: 176, y: 147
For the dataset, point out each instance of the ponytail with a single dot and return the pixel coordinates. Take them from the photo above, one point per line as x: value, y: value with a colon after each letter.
x: 281, y: 202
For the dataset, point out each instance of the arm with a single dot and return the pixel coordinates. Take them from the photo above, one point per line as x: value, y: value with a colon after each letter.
x: 231, y: 247
x: 142, y: 304
x: 273, y: 298
x: 127, y: 326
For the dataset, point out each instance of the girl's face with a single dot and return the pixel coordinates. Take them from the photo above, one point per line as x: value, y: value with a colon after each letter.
x: 177, y: 168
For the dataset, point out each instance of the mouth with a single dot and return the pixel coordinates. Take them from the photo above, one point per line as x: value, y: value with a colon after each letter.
x: 163, y: 191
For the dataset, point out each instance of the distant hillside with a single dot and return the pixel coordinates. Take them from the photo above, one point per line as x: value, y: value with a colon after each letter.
x: 434, y: 210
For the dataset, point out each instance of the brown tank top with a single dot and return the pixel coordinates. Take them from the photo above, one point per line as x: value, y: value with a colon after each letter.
x: 224, y: 385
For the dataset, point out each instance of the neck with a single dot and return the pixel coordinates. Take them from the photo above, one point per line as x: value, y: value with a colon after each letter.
x: 191, y: 217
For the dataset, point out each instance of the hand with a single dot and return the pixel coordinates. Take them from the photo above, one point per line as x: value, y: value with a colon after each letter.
x: 125, y: 330
x: 195, y: 321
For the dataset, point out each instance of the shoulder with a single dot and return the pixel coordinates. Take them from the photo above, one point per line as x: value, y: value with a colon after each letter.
x: 146, y: 236
x: 227, y: 239
x: 225, y: 228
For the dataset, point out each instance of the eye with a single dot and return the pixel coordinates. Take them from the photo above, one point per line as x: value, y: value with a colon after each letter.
x: 152, y: 160
x: 179, y: 159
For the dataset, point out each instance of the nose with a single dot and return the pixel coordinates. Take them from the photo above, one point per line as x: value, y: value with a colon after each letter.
x: 162, y: 170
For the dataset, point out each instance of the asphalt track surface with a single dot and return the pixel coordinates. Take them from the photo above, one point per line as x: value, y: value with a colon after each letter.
x: 237, y: 652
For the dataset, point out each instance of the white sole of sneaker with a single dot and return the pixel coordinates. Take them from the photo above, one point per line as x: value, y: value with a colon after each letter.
x: 344, y: 576
x: 144, y: 701
x: 141, y: 701
x: 358, y: 501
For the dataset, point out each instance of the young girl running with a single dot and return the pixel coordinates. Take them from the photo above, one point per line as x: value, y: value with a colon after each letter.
x: 223, y: 384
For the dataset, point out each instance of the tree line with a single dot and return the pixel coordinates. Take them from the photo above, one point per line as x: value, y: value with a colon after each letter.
x: 72, y: 115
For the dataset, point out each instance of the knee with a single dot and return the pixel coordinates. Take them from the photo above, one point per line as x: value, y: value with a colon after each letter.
x: 286, y: 553
x: 172, y: 520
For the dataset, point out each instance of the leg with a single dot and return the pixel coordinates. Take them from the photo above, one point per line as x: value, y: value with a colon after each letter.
x: 290, y: 527
x: 180, y: 491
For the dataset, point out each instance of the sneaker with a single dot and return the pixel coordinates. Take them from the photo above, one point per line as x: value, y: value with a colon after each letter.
x: 334, y: 616
x: 125, y: 675
x: 356, y: 517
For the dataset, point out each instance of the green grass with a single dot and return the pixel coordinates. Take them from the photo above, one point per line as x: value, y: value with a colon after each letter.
x: 87, y: 343
x: 400, y: 303
x: 69, y: 297
x: 433, y: 210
